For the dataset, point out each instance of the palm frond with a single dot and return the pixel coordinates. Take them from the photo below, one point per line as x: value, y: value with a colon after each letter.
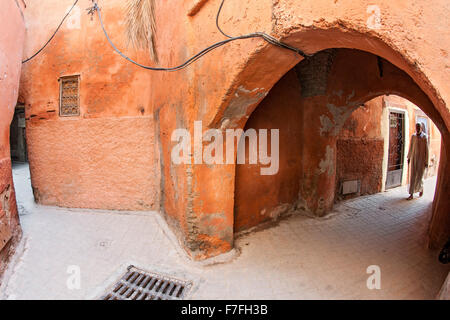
x: 141, y: 25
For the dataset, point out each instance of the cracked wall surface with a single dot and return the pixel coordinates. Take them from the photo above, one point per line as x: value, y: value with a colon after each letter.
x: 311, y: 26
x: 108, y: 156
x: 226, y: 86
x: 314, y: 161
x: 11, y: 46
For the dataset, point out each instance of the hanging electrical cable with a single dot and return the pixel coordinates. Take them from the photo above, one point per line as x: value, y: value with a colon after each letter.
x: 53, y: 35
x: 263, y: 35
x: 95, y: 8
x: 217, y: 20
x: 266, y: 37
x: 181, y: 66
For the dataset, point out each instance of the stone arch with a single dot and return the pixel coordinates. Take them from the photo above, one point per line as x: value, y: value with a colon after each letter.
x: 330, y: 87
x: 268, y: 64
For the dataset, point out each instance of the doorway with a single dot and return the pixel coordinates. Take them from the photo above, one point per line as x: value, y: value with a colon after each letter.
x: 17, y: 137
x: 396, y: 149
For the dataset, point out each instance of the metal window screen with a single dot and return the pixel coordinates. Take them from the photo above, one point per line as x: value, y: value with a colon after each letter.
x: 69, y: 104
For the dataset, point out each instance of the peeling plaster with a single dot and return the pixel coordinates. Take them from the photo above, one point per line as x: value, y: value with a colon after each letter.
x: 327, y: 163
x: 280, y: 210
x: 5, y: 217
x: 238, y: 106
x: 339, y: 115
x: 5, y: 195
x: 191, y: 217
x: 213, y: 225
x: 326, y: 125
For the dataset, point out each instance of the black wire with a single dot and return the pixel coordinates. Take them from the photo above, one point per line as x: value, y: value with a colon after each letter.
x: 263, y: 35
x: 181, y: 66
x: 53, y: 35
x: 217, y: 20
x: 191, y: 60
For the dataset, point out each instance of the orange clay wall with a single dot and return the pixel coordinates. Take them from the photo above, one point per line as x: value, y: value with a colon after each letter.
x: 359, y: 149
x: 353, y: 139
x: 107, y: 157
x: 261, y: 198
x: 222, y: 90
x: 11, y: 44
x: 228, y: 85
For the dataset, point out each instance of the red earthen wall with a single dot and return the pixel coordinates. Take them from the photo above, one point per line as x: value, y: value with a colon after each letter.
x: 11, y: 45
x: 223, y: 89
x: 360, y: 159
x: 261, y: 198
x: 350, y: 131
x: 360, y: 149
x: 107, y: 157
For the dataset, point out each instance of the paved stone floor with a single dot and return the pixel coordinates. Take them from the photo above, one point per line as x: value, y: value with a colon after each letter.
x: 300, y: 258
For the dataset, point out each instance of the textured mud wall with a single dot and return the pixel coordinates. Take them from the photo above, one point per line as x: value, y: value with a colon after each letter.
x: 261, y: 198
x: 360, y: 144
x: 326, y: 137
x: 332, y: 132
x: 11, y: 44
x: 107, y: 157
x: 360, y: 159
x: 109, y: 166
x: 225, y: 87
x: 360, y: 149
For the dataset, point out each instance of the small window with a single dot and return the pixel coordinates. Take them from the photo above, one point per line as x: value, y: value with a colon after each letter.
x: 69, y: 98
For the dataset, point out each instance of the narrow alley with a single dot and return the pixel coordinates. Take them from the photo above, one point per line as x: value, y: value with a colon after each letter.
x: 300, y: 258
x: 225, y: 150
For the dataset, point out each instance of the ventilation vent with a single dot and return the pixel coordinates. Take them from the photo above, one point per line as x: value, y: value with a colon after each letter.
x: 349, y: 187
x: 137, y: 284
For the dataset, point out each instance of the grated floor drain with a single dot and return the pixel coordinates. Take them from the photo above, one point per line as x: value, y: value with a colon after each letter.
x: 137, y: 284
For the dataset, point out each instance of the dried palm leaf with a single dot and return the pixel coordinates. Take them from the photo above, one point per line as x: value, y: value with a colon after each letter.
x: 141, y: 25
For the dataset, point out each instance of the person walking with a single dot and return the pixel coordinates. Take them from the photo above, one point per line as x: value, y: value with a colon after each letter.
x: 418, y: 160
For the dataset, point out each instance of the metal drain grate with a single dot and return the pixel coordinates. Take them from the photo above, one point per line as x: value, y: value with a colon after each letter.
x: 138, y: 284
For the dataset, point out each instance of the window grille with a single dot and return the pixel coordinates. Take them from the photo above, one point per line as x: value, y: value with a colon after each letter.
x: 69, y: 96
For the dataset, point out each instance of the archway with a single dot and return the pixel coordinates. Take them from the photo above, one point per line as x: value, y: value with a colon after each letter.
x: 199, y: 199
x: 309, y: 106
x: 399, y: 77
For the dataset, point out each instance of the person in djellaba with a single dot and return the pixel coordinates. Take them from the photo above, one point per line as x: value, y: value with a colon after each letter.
x: 418, y: 161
